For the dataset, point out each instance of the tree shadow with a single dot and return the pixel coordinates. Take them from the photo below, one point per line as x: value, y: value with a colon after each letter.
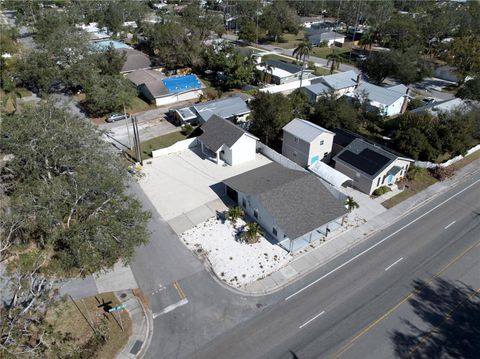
x: 450, y: 312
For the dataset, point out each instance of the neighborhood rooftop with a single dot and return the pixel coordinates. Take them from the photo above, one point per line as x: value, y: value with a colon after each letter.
x: 218, y: 132
x: 319, y: 89
x: 381, y: 95
x: 297, y: 200
x: 305, y: 130
x: 366, y: 157
x: 341, y: 80
x: 285, y: 66
x: 225, y: 107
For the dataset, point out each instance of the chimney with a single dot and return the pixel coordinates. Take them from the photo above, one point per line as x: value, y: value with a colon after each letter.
x: 405, y: 101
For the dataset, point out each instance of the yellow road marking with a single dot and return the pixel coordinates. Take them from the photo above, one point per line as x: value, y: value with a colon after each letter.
x: 179, y: 289
x: 447, y: 317
x: 391, y: 310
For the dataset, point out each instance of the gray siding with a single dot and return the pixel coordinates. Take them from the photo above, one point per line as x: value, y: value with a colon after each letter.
x: 290, y: 147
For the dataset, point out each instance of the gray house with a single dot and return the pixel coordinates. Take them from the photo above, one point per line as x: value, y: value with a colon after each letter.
x: 226, y: 142
x: 370, y: 166
x: 292, y: 206
x: 306, y: 143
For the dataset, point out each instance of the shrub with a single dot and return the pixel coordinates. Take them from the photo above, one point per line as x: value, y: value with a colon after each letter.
x: 187, y: 129
x: 381, y: 191
x: 442, y: 173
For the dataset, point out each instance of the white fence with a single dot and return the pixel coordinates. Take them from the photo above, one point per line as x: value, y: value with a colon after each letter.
x: 424, y: 164
x: 176, y: 147
x: 277, y: 157
x: 288, y: 87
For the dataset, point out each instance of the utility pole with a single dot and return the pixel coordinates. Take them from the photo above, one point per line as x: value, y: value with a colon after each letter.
x: 257, y: 22
x: 126, y: 124
x: 136, y: 140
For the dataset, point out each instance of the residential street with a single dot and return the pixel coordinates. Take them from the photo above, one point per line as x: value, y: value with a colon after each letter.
x: 355, y: 289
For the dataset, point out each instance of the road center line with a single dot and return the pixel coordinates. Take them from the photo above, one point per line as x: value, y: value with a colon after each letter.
x: 380, y: 242
x: 451, y: 224
x: 391, y: 265
x: 311, y: 320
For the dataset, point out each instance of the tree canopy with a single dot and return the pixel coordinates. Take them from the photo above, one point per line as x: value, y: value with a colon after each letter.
x: 66, y: 192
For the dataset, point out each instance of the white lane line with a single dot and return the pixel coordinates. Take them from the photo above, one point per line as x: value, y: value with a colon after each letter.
x: 451, y: 224
x: 391, y: 265
x: 170, y: 308
x: 311, y: 320
x: 380, y: 242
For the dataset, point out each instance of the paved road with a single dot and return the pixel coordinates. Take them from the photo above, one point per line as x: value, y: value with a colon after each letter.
x: 328, y: 319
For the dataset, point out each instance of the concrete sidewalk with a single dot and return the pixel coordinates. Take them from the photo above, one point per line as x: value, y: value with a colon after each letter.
x: 142, y: 326
x: 337, y: 244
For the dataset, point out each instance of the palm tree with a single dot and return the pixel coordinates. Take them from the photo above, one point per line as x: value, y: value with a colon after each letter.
x: 234, y: 213
x: 351, y: 204
x: 302, y: 53
x: 252, y: 233
x: 267, y: 72
x: 10, y: 99
x: 333, y: 61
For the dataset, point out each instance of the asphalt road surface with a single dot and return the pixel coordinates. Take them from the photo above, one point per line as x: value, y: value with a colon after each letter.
x: 399, y: 295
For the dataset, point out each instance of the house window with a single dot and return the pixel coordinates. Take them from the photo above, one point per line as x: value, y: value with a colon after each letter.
x: 295, y: 139
x: 325, y: 154
x: 274, y: 231
x: 255, y: 213
x: 244, y: 203
x: 322, y: 142
x: 378, y: 182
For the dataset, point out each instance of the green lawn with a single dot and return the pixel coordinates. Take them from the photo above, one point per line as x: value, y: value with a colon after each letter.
x: 158, y: 142
x: 289, y: 41
x: 422, y: 181
x: 139, y: 105
x: 321, y: 71
x: 323, y: 52
x: 467, y: 160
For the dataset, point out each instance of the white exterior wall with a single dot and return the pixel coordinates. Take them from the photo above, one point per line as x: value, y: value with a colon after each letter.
x: 395, y: 108
x: 340, y: 40
x: 319, y: 150
x: 226, y: 155
x: 264, y: 219
x: 174, y: 98
x: 344, y: 91
x: 380, y: 181
x: 243, y: 150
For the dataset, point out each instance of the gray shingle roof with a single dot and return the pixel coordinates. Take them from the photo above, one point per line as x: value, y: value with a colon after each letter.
x: 305, y: 130
x: 151, y: 79
x: 226, y: 107
x: 218, y: 132
x: 297, y: 200
x: 293, y: 69
x: 135, y: 60
x: 318, y: 89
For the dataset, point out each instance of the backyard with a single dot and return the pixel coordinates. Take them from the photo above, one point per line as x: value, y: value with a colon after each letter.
x: 323, y: 52
x: 289, y: 41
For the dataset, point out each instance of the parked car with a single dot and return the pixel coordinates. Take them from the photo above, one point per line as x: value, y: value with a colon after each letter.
x: 428, y: 100
x: 114, y: 117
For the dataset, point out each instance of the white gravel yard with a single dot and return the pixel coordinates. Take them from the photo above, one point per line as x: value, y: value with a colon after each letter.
x: 234, y: 261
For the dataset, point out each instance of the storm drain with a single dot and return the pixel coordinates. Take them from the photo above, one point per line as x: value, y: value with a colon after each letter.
x: 136, y: 347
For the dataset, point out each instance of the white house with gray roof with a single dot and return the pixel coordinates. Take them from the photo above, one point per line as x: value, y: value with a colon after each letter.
x: 282, y: 72
x: 306, y: 143
x: 371, y: 166
x: 226, y: 142
x: 292, y: 206
x: 389, y: 101
x: 232, y: 108
x: 338, y: 84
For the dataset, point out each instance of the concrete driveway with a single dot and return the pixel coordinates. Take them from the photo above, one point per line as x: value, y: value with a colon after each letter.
x: 184, y: 186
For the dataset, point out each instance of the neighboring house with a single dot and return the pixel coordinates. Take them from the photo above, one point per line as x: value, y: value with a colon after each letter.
x: 226, y: 142
x: 338, y: 84
x: 134, y: 59
x: 452, y: 104
x: 283, y: 72
x: 306, y: 143
x: 370, y: 166
x: 329, y: 37
x: 292, y: 206
x: 389, y: 101
x: 164, y: 91
x: 232, y: 108
x: 342, y: 139
x: 94, y: 32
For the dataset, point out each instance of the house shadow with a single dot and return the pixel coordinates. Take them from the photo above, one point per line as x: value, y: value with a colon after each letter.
x: 450, y: 311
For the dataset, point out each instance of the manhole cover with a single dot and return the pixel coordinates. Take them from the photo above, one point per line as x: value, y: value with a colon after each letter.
x: 136, y: 347
x: 123, y: 295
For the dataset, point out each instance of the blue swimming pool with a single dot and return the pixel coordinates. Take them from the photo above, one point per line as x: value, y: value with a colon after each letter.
x: 181, y: 83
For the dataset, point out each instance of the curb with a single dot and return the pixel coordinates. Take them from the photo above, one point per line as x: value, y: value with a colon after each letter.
x: 149, y: 321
